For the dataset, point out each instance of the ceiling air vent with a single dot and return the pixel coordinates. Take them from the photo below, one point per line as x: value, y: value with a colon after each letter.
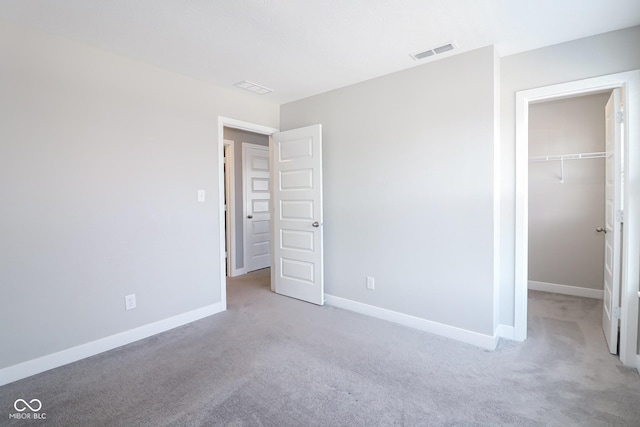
x: 252, y: 87
x: 445, y: 48
x: 422, y: 55
x: 435, y: 51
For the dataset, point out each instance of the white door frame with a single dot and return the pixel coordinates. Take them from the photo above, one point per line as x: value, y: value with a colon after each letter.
x: 246, y: 126
x: 230, y: 231
x: 629, y: 82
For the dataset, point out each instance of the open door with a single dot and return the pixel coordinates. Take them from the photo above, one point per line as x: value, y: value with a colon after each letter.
x: 298, y: 269
x: 613, y: 221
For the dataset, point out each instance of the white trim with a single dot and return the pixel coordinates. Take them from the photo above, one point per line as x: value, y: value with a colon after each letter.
x: 497, y: 190
x: 230, y: 231
x: 272, y: 191
x: 522, y: 219
x: 629, y: 82
x: 235, y: 124
x: 234, y: 271
x: 70, y: 355
x: 565, y: 289
x: 506, y: 332
x: 631, y: 230
x: 238, y: 272
x: 464, y: 335
x: 246, y: 126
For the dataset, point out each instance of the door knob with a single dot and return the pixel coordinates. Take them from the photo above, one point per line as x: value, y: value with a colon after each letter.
x: 601, y: 230
x: 316, y: 224
x: 249, y: 216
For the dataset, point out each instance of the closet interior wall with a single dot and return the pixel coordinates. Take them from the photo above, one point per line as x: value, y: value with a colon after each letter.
x: 566, y: 195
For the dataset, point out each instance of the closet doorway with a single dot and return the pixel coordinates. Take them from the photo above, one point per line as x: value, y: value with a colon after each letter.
x: 629, y: 85
x: 567, y: 195
x: 567, y: 158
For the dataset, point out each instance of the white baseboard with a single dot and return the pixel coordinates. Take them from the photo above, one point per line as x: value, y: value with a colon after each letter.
x: 238, y: 272
x: 64, y: 357
x: 566, y: 290
x: 506, y: 332
x: 464, y: 335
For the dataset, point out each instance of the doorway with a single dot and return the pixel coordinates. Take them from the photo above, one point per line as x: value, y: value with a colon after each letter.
x: 295, y: 171
x: 567, y: 195
x: 629, y: 84
x: 224, y: 122
x: 244, y: 199
x: 567, y: 159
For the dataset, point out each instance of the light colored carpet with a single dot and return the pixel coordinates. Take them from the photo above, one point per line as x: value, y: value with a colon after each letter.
x: 275, y: 361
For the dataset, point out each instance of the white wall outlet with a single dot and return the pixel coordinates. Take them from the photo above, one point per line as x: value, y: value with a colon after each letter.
x: 370, y: 283
x: 130, y: 302
x: 201, y: 195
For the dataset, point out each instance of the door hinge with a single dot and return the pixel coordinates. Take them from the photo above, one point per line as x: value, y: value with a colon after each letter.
x: 620, y: 215
x: 616, y: 312
x: 620, y: 117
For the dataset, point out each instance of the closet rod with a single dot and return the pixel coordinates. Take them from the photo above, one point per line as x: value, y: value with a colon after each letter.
x: 563, y: 157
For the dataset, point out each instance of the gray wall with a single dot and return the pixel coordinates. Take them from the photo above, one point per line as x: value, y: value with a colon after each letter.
x: 408, y: 188
x: 238, y: 137
x: 564, y: 247
x: 608, y: 53
x: 101, y: 158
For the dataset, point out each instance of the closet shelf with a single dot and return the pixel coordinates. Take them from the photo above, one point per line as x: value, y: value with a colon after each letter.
x: 562, y: 157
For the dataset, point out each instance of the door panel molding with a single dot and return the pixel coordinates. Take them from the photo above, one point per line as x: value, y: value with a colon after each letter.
x: 296, y: 168
x: 256, y: 206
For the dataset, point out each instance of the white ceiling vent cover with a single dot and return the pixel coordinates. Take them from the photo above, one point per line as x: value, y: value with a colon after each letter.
x: 252, y: 87
x: 422, y: 55
x: 435, y: 51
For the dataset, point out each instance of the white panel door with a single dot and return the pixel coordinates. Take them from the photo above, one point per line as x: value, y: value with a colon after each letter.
x: 297, y: 214
x: 613, y: 193
x: 257, y: 204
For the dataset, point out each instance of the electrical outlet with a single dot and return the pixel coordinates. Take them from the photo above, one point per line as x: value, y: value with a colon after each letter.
x: 370, y: 283
x: 130, y: 302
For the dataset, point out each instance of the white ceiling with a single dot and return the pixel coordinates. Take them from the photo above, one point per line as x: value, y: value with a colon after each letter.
x: 304, y: 47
